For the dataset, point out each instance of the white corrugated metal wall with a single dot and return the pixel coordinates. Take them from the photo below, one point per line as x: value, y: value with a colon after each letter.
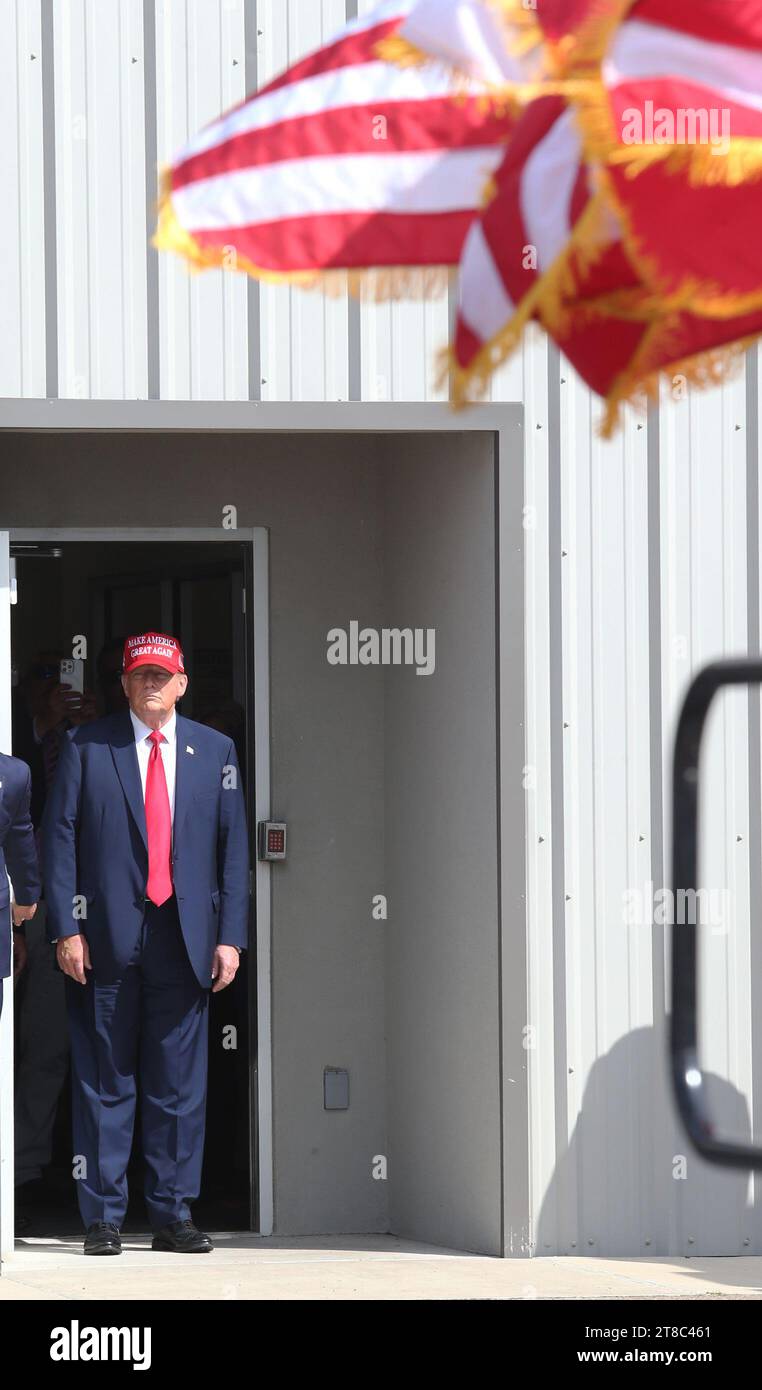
x: 641, y: 562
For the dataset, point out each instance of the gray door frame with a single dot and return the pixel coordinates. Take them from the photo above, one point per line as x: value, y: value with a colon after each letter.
x: 505, y: 422
x: 259, y: 650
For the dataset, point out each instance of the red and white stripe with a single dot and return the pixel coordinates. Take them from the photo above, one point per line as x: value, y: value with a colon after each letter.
x: 541, y: 190
x: 674, y: 57
x: 343, y: 161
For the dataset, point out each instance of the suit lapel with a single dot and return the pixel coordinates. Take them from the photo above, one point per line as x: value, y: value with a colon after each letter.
x: 186, y: 776
x: 125, y: 756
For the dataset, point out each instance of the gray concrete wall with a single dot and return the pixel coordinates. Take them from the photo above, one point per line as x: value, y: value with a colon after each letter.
x: 408, y: 1006
x: 442, y: 975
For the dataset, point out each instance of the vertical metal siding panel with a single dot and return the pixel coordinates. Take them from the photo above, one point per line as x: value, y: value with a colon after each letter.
x: 376, y: 350
x: 753, y: 420
x: 72, y: 200
x: 624, y: 1059
x: 22, y: 247
x: 219, y: 340
x: 606, y: 802
x: 720, y: 627
x: 412, y: 371
x: 539, y: 822
x: 736, y: 911
x: 704, y: 616
x: 507, y: 383
x: 200, y: 73
x: 675, y: 540
x: 305, y: 354
x: 419, y: 332
x: 273, y: 18
x: 526, y: 377
x: 401, y: 340
x: 378, y: 342
x: 319, y: 350
x: 102, y: 145
x: 235, y: 313
x: 171, y: 129
x: 134, y: 267
x: 579, y: 907
x: 436, y: 330
x: 100, y: 199
x: 646, y: 1055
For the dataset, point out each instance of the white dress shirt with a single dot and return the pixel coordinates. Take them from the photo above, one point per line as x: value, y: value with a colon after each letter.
x: 167, y: 748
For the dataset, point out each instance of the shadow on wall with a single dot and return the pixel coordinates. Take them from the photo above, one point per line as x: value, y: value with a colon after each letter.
x: 631, y: 1184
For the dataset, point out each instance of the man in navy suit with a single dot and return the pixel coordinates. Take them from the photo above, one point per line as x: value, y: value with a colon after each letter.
x: 18, y: 855
x: 146, y: 871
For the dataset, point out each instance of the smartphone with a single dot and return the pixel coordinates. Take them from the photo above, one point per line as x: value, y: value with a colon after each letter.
x: 72, y: 673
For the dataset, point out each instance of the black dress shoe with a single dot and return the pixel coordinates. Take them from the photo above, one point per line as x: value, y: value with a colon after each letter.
x: 103, y: 1238
x: 182, y: 1236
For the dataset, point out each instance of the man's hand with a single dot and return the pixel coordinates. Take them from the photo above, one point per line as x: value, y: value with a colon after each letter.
x: 20, y: 956
x: 73, y: 956
x: 22, y: 914
x: 224, y: 966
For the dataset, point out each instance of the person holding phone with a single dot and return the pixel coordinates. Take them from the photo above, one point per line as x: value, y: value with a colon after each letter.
x: 44, y: 707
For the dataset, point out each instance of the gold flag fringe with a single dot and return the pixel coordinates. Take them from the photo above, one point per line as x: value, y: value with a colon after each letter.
x: 705, y: 165
x: 404, y: 54
x: 520, y: 26
x: 577, y: 51
x: 395, y: 49
x: 522, y: 35
x: 638, y: 383
x: 548, y: 300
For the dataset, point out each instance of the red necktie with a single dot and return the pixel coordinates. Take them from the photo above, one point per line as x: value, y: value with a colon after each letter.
x: 158, y: 825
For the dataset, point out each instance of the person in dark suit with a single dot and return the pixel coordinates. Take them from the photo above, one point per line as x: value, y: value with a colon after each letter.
x: 18, y: 856
x: 43, y: 708
x: 146, y: 872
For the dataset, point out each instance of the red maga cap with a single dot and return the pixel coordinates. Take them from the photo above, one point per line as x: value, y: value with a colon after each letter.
x: 153, y: 649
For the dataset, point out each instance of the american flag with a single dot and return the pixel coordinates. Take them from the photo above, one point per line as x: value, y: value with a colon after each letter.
x: 634, y: 252
x: 595, y: 165
x: 344, y: 161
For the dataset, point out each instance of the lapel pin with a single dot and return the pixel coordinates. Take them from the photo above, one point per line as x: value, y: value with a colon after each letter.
x: 188, y: 748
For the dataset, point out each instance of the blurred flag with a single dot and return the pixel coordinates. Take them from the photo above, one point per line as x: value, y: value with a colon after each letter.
x: 489, y: 40
x: 678, y: 122
x: 552, y: 246
x: 594, y: 165
x: 545, y: 244
x: 345, y: 161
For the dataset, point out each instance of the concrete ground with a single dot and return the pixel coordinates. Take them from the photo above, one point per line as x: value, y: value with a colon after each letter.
x: 357, y: 1267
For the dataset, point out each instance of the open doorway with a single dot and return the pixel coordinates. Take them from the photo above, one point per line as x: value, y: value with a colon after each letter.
x: 102, y: 591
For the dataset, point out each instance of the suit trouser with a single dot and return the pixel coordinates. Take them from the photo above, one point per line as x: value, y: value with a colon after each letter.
x: 149, y: 1027
x: 42, y: 1051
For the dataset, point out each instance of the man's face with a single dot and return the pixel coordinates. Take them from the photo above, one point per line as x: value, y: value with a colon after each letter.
x: 152, y: 692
